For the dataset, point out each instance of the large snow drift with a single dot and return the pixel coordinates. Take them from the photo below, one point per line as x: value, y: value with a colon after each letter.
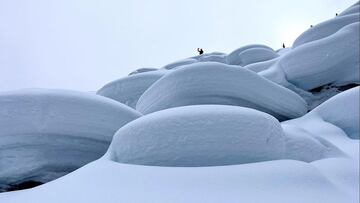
x: 48, y: 133
x: 205, y: 135
x: 334, y: 59
x: 326, y: 29
x: 128, y: 90
x: 216, y: 83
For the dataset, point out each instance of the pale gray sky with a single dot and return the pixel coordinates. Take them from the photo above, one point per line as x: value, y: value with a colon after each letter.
x: 83, y: 44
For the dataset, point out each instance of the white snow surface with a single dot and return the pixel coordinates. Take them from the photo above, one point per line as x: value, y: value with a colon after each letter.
x: 205, y: 135
x: 342, y: 111
x: 333, y: 59
x: 217, y: 83
x: 46, y: 133
x: 127, y: 90
x: 325, y: 29
x: 142, y: 70
x: 210, y: 130
x: 234, y: 57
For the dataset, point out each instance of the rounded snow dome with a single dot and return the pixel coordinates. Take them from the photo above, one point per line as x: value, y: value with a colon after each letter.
x: 199, y: 135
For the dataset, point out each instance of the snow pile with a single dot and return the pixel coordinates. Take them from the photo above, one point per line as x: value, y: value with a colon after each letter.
x: 128, y: 90
x: 333, y: 59
x: 209, y: 57
x: 216, y: 83
x: 342, y: 111
x: 48, y: 133
x: 142, y: 70
x: 353, y: 9
x: 326, y: 29
x: 206, y: 135
x: 335, y: 122
x: 261, y: 53
x: 180, y: 63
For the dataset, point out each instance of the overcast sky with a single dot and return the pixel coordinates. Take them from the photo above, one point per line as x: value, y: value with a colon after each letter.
x: 84, y: 44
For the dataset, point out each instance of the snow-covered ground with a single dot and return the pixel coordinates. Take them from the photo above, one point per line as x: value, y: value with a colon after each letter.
x: 255, y: 125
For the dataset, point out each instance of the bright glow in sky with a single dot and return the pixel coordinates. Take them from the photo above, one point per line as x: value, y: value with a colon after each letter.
x: 84, y: 44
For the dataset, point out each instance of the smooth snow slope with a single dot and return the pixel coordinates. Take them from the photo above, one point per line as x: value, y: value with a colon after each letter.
x: 48, y: 133
x: 108, y: 181
x: 217, y: 83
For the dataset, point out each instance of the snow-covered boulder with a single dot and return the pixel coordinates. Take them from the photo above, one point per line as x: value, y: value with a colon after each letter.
x: 127, y: 90
x: 342, y: 110
x: 142, y: 70
x: 216, y: 83
x: 325, y: 29
x: 48, y: 133
x: 333, y: 59
x: 234, y: 57
x: 200, y: 135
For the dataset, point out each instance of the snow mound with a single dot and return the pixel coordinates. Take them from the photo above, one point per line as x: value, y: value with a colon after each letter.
x: 261, y: 66
x: 334, y: 59
x: 180, y: 63
x: 342, y: 110
x: 142, y: 70
x: 234, y: 57
x: 325, y: 29
x: 254, y: 55
x: 216, y: 83
x: 205, y: 135
x: 209, y: 57
x: 301, y: 145
x: 353, y: 9
x: 215, y: 57
x: 48, y: 133
x: 128, y: 90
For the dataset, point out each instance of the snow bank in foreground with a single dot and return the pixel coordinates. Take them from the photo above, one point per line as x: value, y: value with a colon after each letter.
x: 216, y: 83
x: 107, y: 181
x: 128, y: 90
x: 205, y: 135
x: 47, y: 133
